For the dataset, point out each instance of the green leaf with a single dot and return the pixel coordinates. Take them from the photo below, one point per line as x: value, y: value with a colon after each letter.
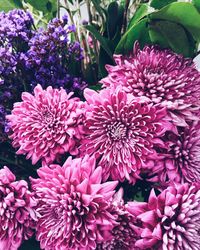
x: 196, y: 4
x: 103, y: 60
x: 97, y: 6
x: 141, y: 12
x: 46, y: 6
x: 182, y: 13
x: 6, y: 5
x: 39, y: 5
x: 138, y: 32
x: 169, y: 34
x: 158, y: 4
x: 103, y: 41
x: 52, y: 5
x: 96, y: 87
x: 112, y: 18
x: 139, y: 197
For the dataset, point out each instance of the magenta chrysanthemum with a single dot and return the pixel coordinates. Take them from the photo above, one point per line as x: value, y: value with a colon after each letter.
x: 166, y: 78
x: 17, y: 211
x: 180, y: 161
x: 46, y: 124
x: 124, y: 236
x: 171, y: 220
x: 120, y: 131
x: 73, y: 205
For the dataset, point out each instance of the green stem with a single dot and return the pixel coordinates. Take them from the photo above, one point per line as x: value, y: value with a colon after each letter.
x: 71, y: 18
x: 58, y: 8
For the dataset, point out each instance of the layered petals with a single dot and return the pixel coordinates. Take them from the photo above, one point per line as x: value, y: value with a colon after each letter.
x: 17, y: 211
x: 120, y: 131
x: 47, y: 124
x: 74, y: 205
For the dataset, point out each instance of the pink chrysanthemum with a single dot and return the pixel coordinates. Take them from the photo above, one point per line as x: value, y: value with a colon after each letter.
x: 171, y: 220
x: 166, y: 78
x: 180, y: 161
x: 17, y: 211
x: 120, y: 131
x: 46, y: 124
x: 73, y: 205
x: 124, y: 236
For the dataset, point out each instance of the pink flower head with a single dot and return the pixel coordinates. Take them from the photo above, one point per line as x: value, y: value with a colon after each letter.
x: 73, y: 205
x: 180, y: 161
x: 121, y: 130
x: 17, y: 211
x: 46, y: 124
x: 166, y: 78
x: 171, y: 220
x: 124, y: 236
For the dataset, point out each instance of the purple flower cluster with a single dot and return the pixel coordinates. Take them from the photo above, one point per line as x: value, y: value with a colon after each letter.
x: 29, y: 57
x: 16, y: 28
x: 51, y: 55
x: 141, y: 129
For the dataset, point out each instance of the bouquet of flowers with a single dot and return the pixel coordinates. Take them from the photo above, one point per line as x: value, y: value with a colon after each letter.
x: 99, y: 127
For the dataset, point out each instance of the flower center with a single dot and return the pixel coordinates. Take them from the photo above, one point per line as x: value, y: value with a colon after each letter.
x: 48, y: 117
x: 117, y: 131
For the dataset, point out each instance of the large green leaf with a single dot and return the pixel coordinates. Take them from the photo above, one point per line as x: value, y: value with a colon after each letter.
x: 112, y: 18
x: 138, y: 32
x: 182, y: 13
x: 6, y: 5
x: 103, y: 60
x: 38, y: 4
x: 196, y: 4
x: 141, y: 12
x: 158, y: 4
x: 103, y: 41
x: 46, y: 6
x: 169, y: 34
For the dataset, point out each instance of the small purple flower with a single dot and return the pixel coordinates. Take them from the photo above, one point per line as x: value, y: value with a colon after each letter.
x: 51, y: 54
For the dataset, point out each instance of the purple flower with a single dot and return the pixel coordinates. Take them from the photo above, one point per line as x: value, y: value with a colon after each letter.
x: 120, y: 131
x: 180, y: 160
x: 164, y: 77
x: 47, y: 124
x: 74, y: 205
x: 16, y: 28
x: 17, y: 211
x: 170, y: 220
x: 51, y: 54
x: 124, y: 236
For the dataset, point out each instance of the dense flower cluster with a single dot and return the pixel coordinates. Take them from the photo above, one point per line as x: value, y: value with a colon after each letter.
x: 51, y: 54
x: 124, y: 235
x: 166, y: 78
x: 180, y: 160
x: 17, y: 211
x: 15, y: 32
x: 47, y: 124
x: 73, y: 205
x: 16, y: 29
x: 170, y: 220
x: 121, y: 130
x: 141, y: 130
x: 29, y: 57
